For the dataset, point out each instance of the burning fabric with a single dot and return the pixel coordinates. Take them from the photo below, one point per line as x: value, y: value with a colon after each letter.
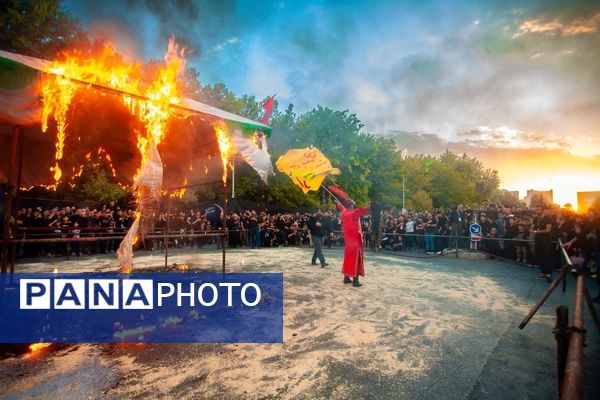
x: 151, y: 106
x: 153, y: 110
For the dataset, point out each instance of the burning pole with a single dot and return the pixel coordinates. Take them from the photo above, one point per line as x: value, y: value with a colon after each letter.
x: 225, y: 148
x: 151, y: 104
x: 155, y: 113
x: 11, y: 193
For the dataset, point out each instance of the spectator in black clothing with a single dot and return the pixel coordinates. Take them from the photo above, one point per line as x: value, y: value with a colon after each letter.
x: 543, y: 242
x: 254, y: 230
x: 521, y: 247
x: 457, y: 226
x: 278, y: 238
x: 441, y: 231
x: 512, y: 230
x: 492, y: 245
x: 317, y: 231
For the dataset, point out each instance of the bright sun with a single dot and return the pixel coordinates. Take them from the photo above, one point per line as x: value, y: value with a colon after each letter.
x: 564, y: 186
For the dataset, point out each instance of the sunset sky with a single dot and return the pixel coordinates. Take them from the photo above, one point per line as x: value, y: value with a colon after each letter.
x: 516, y: 84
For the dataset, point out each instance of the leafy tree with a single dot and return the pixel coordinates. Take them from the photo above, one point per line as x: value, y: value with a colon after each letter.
x: 208, y: 193
x: 506, y: 198
x: 385, y: 175
x: 450, y: 179
x: 284, y: 193
x: 338, y: 135
x: 100, y: 187
x: 190, y: 83
x: 39, y: 28
x: 419, y: 200
x: 282, y: 125
x: 95, y: 182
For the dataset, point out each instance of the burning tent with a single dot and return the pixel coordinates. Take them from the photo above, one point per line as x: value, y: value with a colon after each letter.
x: 152, y: 137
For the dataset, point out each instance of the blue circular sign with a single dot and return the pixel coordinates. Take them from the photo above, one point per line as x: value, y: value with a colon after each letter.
x: 475, y: 229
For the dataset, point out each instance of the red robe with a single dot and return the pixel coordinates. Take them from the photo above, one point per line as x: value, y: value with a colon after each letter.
x: 354, y: 264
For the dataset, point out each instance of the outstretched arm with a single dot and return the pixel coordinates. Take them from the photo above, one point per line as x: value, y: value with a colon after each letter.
x: 363, y: 210
x: 340, y: 207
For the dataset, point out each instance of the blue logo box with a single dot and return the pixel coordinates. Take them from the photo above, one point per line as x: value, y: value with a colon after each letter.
x: 138, y: 308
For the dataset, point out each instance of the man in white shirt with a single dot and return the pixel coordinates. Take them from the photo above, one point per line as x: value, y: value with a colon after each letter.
x: 410, y: 231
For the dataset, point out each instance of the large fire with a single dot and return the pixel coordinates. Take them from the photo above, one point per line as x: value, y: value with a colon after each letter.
x: 65, y: 77
x: 148, y: 96
x: 150, y: 103
x: 225, y: 147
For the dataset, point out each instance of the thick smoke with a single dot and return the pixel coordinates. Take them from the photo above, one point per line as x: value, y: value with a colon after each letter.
x: 148, y: 24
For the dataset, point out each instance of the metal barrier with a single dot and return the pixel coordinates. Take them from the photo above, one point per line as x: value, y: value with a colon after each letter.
x: 570, y: 340
x: 101, y: 237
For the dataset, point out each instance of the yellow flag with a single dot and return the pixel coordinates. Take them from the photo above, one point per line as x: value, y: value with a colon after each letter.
x: 306, y: 167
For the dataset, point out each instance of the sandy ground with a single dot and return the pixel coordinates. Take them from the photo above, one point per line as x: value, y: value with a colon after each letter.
x: 439, y: 328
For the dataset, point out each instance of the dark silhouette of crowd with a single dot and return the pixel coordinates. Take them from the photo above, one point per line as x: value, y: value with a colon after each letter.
x: 505, y: 232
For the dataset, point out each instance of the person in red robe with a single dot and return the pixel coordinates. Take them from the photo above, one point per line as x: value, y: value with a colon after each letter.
x: 354, y: 264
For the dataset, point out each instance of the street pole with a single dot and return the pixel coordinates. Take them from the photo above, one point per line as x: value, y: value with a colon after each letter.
x: 403, y: 176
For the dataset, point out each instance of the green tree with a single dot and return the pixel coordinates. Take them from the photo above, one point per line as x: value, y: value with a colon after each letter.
x: 38, y: 28
x: 282, y: 125
x: 505, y: 198
x: 450, y: 179
x: 338, y: 135
x: 419, y: 200
x: 385, y: 173
x: 94, y: 182
x: 284, y: 193
x: 100, y: 187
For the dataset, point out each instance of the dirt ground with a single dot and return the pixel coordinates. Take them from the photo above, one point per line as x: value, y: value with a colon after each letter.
x: 440, y: 328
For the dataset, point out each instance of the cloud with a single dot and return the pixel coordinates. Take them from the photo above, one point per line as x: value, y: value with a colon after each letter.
x: 481, y: 139
x: 230, y: 41
x: 369, y: 95
x: 196, y: 24
x: 452, y: 87
x: 537, y: 55
x: 427, y: 67
x: 265, y: 76
x: 577, y: 26
x: 507, y: 138
x: 540, y: 166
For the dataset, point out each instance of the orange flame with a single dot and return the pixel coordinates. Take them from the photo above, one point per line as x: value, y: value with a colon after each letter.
x: 38, y: 346
x: 62, y: 83
x: 102, y: 152
x: 183, y: 267
x: 179, y: 193
x: 225, y: 147
x: 108, y: 69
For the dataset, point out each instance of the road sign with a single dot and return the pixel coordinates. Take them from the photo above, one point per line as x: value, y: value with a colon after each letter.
x: 475, y: 230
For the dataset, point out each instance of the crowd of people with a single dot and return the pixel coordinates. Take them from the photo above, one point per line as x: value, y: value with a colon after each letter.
x: 514, y: 233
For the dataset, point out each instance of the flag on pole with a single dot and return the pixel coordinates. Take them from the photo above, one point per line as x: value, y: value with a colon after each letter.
x: 306, y: 167
x: 253, y: 148
x: 339, y: 192
x: 268, y: 107
x: 254, y: 151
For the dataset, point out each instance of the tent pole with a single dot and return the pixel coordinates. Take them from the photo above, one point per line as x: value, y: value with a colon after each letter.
x: 224, y: 241
x: 166, y: 240
x: 8, y: 209
x: 13, y: 258
x: 233, y: 177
